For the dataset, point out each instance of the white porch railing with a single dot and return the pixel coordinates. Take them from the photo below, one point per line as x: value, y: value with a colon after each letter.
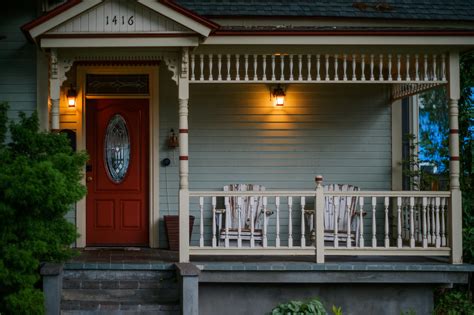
x: 348, y: 67
x: 403, y: 223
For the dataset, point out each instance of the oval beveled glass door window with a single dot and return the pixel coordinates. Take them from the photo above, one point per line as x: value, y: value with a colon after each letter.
x: 117, y: 148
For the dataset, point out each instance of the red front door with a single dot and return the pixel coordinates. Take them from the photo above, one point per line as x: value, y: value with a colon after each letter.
x: 117, y: 172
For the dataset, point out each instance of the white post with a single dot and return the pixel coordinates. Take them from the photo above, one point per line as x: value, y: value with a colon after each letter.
x: 183, y: 96
x: 319, y: 220
x: 455, y: 209
x: 54, y: 89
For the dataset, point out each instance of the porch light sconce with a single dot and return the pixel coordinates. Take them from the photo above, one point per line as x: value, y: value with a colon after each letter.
x: 71, y: 97
x: 279, y: 95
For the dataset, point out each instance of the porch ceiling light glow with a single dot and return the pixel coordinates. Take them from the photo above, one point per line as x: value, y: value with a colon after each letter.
x: 279, y: 94
x: 71, y: 97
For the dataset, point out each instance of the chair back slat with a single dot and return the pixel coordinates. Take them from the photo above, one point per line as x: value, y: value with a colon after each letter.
x: 248, y: 209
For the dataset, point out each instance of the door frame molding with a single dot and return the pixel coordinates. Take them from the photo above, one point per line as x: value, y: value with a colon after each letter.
x: 154, y: 147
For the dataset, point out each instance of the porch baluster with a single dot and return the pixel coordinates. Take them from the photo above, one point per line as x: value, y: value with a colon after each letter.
x: 214, y: 223
x: 349, y: 214
x: 227, y: 221
x: 273, y: 68
x: 380, y: 67
x: 443, y: 224
x: 435, y: 76
x: 443, y: 67
x: 419, y: 220
x: 303, y: 237
x: 193, y: 70
x: 386, y: 204
x: 239, y: 226
x: 228, y: 67
x: 425, y: 240
x: 237, y: 67
x: 433, y: 219
x: 426, y: 67
x: 219, y: 67
x: 300, y: 67
x: 201, y: 224
x: 362, y: 64
x: 412, y: 222
x: 399, y: 222
x: 309, y: 66
x: 246, y: 67
x: 361, y: 216
x: 389, y: 67
x: 372, y: 78
x: 265, y: 222
x: 211, y: 61
x: 336, y: 200
x: 291, y: 67
x: 399, y: 65
x: 253, y: 209
x: 318, y: 67
x: 201, y: 60
x: 417, y: 75
x: 354, y: 64
x: 290, y: 223
x: 264, y: 69
x: 438, y: 238
x: 374, y: 226
x: 344, y: 57
x: 408, y: 68
x: 277, y: 206
x: 282, y: 67
x: 255, y: 63
x: 327, y: 67
x: 336, y: 67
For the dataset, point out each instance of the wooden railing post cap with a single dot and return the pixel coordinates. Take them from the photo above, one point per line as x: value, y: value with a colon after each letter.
x: 319, y: 179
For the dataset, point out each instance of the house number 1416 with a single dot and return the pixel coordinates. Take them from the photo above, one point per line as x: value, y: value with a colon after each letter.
x: 116, y: 20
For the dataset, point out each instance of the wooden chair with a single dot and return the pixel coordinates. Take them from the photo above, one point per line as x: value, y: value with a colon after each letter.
x: 240, y: 211
x: 337, y: 210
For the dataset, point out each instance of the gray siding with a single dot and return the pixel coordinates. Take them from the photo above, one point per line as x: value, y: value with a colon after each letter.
x: 17, y: 59
x: 342, y: 132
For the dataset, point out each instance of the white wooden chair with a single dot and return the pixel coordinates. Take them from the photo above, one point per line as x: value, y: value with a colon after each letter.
x: 239, y: 211
x: 337, y: 210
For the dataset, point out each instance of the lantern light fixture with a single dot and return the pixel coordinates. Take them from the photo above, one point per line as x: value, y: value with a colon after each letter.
x: 71, y: 97
x: 279, y: 95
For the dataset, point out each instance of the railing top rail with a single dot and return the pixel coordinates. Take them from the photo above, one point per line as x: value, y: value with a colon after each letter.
x: 300, y: 193
x: 266, y: 193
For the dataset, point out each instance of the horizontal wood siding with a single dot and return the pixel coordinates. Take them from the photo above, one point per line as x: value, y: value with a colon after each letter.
x: 17, y: 59
x: 342, y: 132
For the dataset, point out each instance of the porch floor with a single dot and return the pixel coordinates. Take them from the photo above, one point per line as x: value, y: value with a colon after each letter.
x: 147, y: 255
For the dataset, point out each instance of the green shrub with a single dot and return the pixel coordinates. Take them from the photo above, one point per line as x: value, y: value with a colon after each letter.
x: 454, y: 302
x: 313, y: 306
x: 39, y: 180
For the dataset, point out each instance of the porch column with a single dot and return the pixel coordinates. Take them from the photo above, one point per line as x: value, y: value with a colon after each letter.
x: 455, y: 213
x: 54, y: 89
x: 183, y: 96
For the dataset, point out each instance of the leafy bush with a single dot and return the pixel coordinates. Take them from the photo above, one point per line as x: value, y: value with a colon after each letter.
x: 454, y: 302
x: 313, y: 306
x: 39, y: 180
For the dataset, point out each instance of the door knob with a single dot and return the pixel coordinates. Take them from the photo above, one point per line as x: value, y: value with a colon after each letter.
x: 89, y: 179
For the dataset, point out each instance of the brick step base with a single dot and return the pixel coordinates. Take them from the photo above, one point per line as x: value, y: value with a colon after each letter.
x: 119, y: 292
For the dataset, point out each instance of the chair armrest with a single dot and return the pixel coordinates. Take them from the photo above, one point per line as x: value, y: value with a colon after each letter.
x: 268, y: 212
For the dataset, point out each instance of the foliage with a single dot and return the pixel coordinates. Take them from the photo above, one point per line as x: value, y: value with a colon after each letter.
x: 453, y: 302
x: 39, y: 180
x: 313, y: 306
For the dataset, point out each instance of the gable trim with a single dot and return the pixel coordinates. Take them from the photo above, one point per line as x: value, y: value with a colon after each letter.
x: 181, y: 15
x: 73, y: 8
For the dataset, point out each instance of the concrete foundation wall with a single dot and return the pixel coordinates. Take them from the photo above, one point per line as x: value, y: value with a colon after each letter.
x: 355, y: 299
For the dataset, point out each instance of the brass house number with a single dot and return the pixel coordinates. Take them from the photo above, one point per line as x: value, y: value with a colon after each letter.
x: 117, y: 20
